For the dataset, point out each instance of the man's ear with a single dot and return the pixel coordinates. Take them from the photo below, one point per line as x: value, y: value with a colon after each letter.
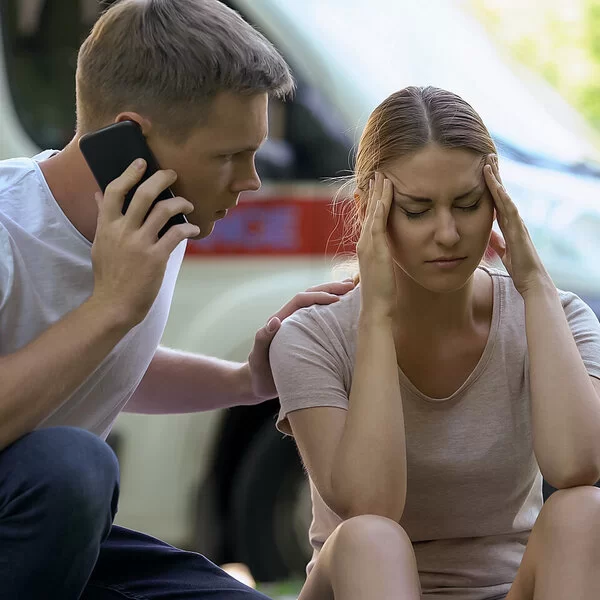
x: 143, y: 122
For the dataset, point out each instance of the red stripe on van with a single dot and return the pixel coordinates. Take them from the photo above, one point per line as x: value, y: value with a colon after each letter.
x: 281, y: 226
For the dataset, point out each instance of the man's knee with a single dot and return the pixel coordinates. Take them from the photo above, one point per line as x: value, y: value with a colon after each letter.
x: 66, y: 469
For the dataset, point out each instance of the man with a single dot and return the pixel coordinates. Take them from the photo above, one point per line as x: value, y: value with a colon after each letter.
x: 85, y: 292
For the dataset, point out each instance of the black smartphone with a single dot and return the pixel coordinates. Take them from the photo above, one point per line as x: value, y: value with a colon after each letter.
x: 110, y: 150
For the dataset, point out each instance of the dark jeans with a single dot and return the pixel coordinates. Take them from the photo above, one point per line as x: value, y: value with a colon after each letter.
x: 58, y: 496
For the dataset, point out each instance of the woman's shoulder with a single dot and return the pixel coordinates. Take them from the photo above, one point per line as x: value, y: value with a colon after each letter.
x: 324, y: 325
x: 344, y: 312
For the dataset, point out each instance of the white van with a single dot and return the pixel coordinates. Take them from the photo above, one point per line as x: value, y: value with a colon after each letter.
x: 225, y: 482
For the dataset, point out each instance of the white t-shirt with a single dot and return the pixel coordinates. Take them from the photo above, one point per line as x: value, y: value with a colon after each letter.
x: 45, y: 273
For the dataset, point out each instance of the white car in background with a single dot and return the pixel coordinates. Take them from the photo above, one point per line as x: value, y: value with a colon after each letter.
x: 225, y: 482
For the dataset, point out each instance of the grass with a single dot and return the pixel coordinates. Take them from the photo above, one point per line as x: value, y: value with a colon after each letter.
x: 285, y: 590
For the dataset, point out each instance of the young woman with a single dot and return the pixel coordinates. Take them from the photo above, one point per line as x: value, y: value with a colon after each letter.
x: 428, y: 403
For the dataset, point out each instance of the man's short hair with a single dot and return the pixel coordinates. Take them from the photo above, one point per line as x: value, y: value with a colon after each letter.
x: 168, y: 59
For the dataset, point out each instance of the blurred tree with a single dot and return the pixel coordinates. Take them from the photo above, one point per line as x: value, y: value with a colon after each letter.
x: 559, y: 39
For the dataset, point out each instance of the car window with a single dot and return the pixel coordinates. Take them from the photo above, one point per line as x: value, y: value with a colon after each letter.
x: 365, y: 57
x: 41, y: 39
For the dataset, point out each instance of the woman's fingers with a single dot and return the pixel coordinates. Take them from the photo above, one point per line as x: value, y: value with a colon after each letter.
x: 382, y: 209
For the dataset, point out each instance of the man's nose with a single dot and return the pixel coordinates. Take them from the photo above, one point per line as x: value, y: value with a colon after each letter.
x: 248, y: 181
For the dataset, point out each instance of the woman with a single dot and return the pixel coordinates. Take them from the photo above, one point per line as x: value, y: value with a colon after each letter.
x: 428, y: 403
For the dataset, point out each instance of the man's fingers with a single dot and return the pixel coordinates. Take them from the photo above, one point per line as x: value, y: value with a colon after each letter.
x: 334, y: 287
x: 264, y: 336
x: 175, y: 235
x: 162, y: 211
x: 146, y: 194
x: 303, y: 300
x: 273, y: 325
x: 116, y: 190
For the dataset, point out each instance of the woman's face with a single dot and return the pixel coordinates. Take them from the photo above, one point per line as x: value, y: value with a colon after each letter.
x: 441, y: 216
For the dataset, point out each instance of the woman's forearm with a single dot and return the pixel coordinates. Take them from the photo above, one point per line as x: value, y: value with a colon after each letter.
x: 565, y: 405
x: 369, y: 468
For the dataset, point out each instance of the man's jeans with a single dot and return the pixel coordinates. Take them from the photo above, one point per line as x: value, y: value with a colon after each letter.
x: 58, y: 496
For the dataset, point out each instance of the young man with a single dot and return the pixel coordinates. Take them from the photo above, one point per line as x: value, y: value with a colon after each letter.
x: 85, y: 292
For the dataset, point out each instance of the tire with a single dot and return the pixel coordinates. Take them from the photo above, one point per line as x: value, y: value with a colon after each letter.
x: 271, y: 508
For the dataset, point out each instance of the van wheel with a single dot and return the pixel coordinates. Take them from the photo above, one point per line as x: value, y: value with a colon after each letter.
x: 271, y: 508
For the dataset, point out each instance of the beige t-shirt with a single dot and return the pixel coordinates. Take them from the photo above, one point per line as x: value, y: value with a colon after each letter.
x: 474, y: 487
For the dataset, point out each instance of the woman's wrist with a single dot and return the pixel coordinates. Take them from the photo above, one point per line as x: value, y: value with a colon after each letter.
x: 542, y: 288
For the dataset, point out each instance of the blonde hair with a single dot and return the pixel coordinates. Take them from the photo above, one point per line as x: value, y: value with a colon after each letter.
x: 401, y: 125
x: 168, y: 59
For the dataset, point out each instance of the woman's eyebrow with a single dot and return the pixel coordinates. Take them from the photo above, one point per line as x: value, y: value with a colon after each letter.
x: 429, y: 200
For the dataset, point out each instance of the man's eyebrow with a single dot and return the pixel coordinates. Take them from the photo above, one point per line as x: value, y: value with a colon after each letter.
x: 253, y: 148
x: 429, y: 200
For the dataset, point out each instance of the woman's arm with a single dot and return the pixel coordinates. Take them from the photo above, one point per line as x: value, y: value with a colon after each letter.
x: 361, y: 469
x: 357, y: 458
x: 565, y: 399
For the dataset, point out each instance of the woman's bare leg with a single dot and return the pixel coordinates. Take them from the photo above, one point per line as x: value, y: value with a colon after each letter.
x: 562, y: 559
x: 366, y: 557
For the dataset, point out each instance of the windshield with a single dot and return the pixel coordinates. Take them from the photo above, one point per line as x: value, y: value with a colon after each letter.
x: 367, y: 50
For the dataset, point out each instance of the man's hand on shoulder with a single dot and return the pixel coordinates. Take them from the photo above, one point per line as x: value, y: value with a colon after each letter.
x: 258, y: 365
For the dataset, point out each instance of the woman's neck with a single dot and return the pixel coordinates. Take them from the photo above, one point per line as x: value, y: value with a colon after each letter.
x: 423, y: 313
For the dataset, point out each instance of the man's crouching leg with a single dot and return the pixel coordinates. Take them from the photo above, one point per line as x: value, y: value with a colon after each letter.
x: 58, y: 497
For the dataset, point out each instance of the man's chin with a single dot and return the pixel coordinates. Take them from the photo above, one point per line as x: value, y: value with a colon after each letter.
x: 205, y: 230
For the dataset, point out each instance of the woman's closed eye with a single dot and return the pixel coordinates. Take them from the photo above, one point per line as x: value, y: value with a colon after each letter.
x: 416, y: 214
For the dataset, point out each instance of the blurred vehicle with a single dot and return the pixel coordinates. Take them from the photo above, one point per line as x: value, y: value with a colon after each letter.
x: 226, y: 483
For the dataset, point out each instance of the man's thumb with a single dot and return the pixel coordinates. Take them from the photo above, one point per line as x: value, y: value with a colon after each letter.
x: 273, y: 325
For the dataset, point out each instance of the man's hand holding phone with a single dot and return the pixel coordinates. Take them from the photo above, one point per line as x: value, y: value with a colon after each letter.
x: 129, y: 259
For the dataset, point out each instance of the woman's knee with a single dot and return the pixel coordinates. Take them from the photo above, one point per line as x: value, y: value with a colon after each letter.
x: 572, y: 512
x: 373, y: 536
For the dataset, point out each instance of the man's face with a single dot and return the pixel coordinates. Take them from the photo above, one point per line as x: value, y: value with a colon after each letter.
x: 216, y: 163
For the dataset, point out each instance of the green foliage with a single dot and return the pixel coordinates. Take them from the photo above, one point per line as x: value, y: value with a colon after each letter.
x: 557, y: 39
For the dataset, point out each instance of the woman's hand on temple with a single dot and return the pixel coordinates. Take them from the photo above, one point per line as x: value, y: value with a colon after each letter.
x: 378, y: 284
x: 515, y: 248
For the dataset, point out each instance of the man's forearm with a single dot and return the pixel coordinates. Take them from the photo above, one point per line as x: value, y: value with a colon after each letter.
x: 40, y: 377
x: 565, y: 406
x: 182, y: 382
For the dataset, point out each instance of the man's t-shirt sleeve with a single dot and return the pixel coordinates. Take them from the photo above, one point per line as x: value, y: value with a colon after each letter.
x: 6, y: 266
x: 307, y: 368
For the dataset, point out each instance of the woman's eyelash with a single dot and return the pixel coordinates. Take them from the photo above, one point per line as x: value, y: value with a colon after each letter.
x: 413, y: 215
x: 472, y: 206
x: 416, y: 215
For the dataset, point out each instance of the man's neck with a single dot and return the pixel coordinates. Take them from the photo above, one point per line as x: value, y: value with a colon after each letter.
x: 73, y: 186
